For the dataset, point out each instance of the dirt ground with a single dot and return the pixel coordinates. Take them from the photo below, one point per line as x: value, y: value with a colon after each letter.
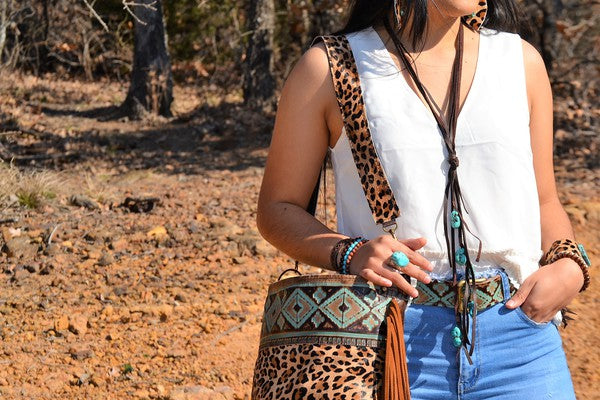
x: 102, y: 298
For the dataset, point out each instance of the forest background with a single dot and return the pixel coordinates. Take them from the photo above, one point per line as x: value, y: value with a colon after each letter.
x: 133, y: 136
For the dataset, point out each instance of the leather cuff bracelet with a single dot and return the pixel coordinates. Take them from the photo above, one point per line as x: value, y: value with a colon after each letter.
x: 342, y: 253
x: 567, y: 248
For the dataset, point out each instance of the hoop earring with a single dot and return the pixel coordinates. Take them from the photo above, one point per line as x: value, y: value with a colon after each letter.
x: 398, y: 13
x: 476, y: 20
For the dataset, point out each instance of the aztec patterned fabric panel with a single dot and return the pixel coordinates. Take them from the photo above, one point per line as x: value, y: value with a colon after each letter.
x: 283, y: 372
x: 319, y: 309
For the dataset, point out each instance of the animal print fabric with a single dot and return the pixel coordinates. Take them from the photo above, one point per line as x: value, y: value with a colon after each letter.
x: 475, y: 21
x: 349, y: 95
x: 310, y: 371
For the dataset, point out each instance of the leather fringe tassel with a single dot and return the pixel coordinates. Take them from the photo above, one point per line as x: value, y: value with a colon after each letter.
x: 395, y: 376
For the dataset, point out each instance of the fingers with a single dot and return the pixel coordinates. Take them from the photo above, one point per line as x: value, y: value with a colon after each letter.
x: 400, y: 282
x: 372, y: 262
x: 377, y: 279
x: 414, y: 244
x: 414, y: 257
x: 521, y: 295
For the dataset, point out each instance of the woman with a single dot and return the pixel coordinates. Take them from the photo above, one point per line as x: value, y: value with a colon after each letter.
x: 460, y: 121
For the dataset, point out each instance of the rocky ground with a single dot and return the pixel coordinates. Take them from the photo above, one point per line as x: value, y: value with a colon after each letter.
x: 131, y: 267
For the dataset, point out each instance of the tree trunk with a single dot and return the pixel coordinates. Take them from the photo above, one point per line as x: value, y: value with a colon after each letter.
x: 151, y: 88
x: 551, y: 11
x: 259, y: 83
x: 4, y: 21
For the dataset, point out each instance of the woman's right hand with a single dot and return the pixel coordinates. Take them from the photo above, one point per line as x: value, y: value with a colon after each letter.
x: 372, y: 262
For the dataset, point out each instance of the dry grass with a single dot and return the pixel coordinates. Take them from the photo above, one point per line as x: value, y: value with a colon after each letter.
x: 29, y: 189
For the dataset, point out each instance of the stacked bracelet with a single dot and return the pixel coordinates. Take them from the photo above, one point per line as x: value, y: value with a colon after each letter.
x: 350, y: 253
x: 343, y: 251
x: 566, y: 248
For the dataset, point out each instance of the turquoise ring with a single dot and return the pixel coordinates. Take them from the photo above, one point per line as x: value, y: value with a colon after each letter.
x: 399, y: 259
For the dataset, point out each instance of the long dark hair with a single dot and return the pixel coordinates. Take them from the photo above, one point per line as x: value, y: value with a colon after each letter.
x: 502, y: 15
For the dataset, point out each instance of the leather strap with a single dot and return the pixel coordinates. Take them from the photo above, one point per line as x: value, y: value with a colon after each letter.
x: 452, y: 193
x: 346, y: 82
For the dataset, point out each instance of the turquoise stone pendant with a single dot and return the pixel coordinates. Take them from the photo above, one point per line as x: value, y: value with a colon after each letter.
x: 456, y: 337
x: 470, y: 306
x: 460, y: 256
x: 454, y: 219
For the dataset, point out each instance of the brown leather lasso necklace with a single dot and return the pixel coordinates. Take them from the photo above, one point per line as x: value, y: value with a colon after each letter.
x: 454, y: 223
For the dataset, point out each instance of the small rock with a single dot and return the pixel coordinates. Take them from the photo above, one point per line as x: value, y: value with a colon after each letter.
x: 180, y: 298
x: 180, y: 235
x: 140, y: 205
x: 81, y: 354
x: 32, y: 268
x: 106, y: 259
x: 263, y: 248
x: 113, y: 335
x: 160, y: 389
x: 108, y: 310
x: 20, y: 247
x: 121, y: 290
x: 223, y: 227
x: 159, y: 231
x: 119, y: 245
x: 51, y: 249
x: 78, y: 324
x: 46, y: 269
x: 592, y: 211
x: 19, y: 273
x: 177, y: 353
x: 80, y: 200
x: 62, y: 323
x: 195, y: 393
x: 240, y: 260
x: 194, y: 227
x: 141, y: 394
x: 9, y: 233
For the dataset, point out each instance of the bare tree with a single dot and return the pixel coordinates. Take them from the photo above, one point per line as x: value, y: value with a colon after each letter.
x: 151, y: 85
x: 259, y: 83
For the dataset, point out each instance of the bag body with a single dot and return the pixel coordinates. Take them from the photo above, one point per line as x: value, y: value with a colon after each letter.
x: 323, y: 335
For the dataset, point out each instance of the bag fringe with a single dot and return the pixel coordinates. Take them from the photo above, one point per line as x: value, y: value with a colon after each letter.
x: 395, y: 376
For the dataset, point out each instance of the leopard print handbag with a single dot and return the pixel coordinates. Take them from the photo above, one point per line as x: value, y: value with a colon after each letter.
x: 331, y: 337
x: 337, y: 336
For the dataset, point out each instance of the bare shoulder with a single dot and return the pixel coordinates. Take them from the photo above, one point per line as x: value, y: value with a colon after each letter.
x: 539, y: 92
x: 309, y: 90
x: 312, y: 68
x: 535, y: 68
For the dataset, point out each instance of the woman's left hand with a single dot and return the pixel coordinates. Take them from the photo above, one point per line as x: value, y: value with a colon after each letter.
x: 548, y: 290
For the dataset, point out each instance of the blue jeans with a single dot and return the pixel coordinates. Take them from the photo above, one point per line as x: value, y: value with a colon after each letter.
x: 515, y: 358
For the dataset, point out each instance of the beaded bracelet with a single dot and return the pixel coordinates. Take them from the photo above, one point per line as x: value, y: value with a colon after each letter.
x: 567, y: 248
x: 338, y: 252
x: 350, y: 253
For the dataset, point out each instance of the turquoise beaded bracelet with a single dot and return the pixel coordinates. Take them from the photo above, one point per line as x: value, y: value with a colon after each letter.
x: 348, y: 255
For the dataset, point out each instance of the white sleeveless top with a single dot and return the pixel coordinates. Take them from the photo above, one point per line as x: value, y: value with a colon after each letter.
x: 492, y: 143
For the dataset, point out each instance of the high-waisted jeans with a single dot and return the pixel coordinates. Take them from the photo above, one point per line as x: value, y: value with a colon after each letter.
x: 514, y: 358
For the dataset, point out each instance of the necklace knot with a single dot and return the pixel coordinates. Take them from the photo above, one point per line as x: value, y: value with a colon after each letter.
x: 453, y: 161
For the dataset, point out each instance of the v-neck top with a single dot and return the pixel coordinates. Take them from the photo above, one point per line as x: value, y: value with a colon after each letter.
x: 492, y: 143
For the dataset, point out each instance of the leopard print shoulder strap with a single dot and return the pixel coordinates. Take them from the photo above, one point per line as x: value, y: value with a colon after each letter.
x: 349, y: 95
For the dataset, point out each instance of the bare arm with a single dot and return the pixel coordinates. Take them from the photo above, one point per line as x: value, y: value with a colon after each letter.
x: 554, y: 286
x: 308, y: 120
x: 297, y: 150
x: 554, y: 220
